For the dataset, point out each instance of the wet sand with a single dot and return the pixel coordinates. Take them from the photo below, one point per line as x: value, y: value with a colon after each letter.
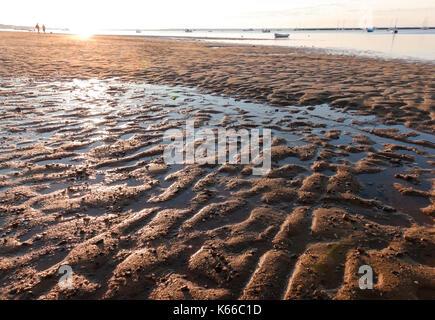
x: 397, y: 92
x: 83, y: 181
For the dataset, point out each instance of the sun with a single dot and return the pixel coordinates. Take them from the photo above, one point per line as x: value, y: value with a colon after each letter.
x: 83, y: 32
x: 84, y: 35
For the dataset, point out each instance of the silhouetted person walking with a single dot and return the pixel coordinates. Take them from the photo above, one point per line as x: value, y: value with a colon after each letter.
x: 43, y: 28
x: 37, y: 27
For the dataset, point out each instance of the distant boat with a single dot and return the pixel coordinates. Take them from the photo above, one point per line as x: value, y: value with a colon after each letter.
x: 425, y: 27
x: 369, y: 29
x: 138, y: 31
x: 188, y: 30
x: 281, y: 35
x: 265, y: 30
x: 395, y: 30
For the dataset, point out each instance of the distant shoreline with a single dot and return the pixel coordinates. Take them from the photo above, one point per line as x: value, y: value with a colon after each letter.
x: 30, y: 28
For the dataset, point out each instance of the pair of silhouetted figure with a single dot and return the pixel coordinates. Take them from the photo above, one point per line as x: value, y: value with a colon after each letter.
x: 38, y: 29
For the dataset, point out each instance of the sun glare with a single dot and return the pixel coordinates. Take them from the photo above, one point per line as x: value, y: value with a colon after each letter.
x: 83, y: 32
x: 83, y: 35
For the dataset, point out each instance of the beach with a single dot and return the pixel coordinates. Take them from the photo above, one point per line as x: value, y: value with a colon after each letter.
x: 83, y: 181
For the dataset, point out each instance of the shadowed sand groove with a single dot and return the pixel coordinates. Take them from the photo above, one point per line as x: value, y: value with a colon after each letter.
x: 83, y: 183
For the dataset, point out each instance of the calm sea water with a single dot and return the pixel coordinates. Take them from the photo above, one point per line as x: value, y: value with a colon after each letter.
x: 415, y: 44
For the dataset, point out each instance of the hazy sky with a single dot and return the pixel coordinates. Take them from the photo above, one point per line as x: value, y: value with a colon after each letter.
x: 94, y: 14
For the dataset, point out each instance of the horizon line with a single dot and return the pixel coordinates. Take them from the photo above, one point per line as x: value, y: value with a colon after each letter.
x: 23, y: 27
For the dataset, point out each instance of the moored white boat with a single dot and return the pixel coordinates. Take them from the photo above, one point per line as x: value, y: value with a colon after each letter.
x: 281, y: 35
